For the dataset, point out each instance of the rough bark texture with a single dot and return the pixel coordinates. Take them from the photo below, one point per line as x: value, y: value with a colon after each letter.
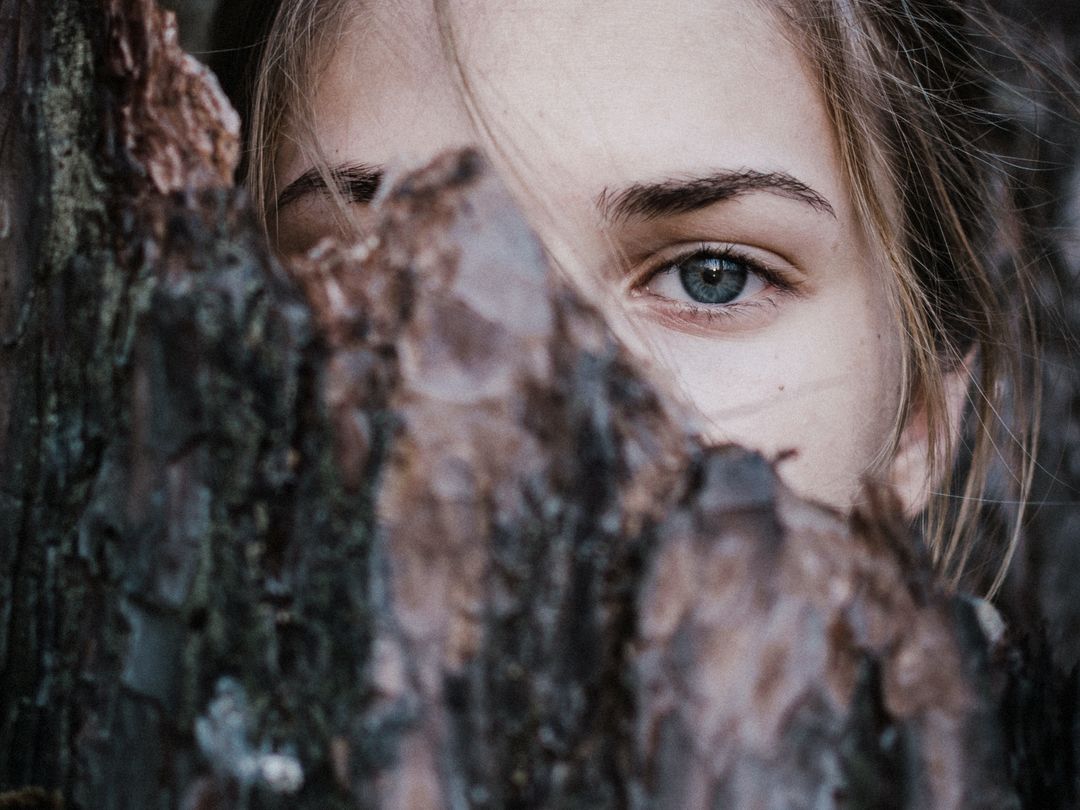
x: 370, y: 531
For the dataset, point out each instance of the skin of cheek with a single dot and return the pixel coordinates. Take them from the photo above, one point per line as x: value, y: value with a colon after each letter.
x: 823, y: 381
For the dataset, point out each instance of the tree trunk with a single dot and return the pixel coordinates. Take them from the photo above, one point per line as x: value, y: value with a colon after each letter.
x: 368, y: 531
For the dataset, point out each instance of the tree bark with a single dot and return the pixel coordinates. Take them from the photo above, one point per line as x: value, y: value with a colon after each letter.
x: 370, y: 531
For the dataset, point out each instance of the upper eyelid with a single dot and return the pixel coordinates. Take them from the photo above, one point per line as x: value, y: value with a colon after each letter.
x: 650, y: 269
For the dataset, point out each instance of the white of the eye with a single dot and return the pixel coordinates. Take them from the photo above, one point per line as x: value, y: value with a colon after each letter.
x: 668, y: 285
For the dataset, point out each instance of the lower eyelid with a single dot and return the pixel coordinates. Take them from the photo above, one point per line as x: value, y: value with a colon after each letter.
x: 708, y: 322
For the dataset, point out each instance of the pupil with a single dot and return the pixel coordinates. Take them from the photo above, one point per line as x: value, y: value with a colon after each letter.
x: 712, y: 280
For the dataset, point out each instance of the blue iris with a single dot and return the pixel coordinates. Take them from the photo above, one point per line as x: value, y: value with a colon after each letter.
x: 712, y: 279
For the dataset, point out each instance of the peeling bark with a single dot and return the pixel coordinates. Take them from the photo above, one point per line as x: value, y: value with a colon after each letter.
x: 369, y: 531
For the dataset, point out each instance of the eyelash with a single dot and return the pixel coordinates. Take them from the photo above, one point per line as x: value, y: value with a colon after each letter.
x: 710, y: 313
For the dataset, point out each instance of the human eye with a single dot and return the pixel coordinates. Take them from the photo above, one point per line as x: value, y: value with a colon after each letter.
x: 710, y: 282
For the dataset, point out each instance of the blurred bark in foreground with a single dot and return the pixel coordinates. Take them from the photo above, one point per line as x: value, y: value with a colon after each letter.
x: 564, y: 602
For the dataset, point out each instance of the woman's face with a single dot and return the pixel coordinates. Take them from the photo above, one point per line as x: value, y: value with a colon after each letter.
x: 678, y: 162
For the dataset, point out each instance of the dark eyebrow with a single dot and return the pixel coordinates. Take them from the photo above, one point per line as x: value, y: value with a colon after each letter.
x: 356, y: 182
x: 683, y: 195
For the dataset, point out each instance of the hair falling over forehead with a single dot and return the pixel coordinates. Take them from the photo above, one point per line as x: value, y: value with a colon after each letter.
x: 910, y: 96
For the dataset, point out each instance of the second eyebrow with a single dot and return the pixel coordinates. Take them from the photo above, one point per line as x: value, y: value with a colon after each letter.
x: 357, y: 183
x: 683, y: 195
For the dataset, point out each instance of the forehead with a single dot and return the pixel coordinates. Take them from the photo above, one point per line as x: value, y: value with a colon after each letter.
x: 585, y: 92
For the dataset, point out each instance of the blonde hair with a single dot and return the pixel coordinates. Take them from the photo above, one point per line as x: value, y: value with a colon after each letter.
x: 909, y: 94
